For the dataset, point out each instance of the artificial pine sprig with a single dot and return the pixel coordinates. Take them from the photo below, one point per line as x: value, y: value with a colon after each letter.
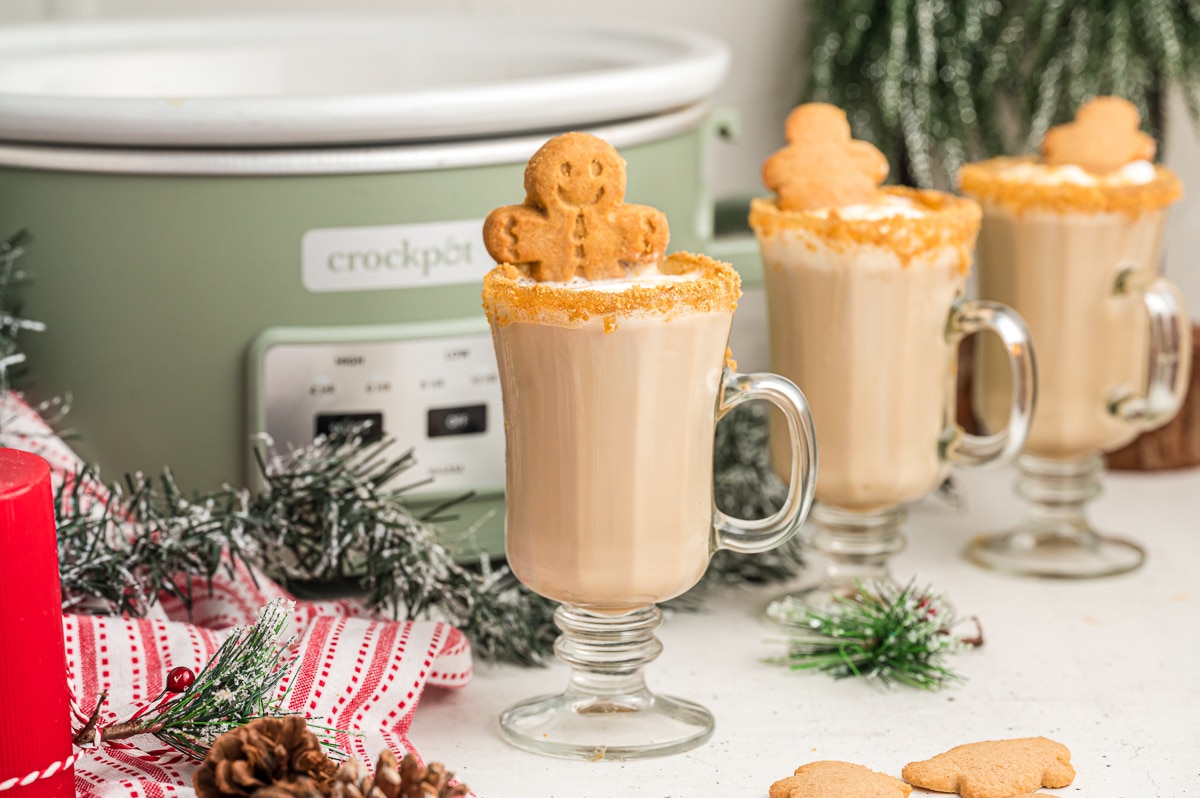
x: 882, y: 632
x: 238, y: 684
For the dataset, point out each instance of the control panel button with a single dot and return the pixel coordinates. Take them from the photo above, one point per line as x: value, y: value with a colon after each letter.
x: 466, y: 420
x: 368, y: 425
x: 437, y: 393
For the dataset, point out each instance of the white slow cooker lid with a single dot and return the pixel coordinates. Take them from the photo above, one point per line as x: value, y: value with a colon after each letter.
x: 344, y: 79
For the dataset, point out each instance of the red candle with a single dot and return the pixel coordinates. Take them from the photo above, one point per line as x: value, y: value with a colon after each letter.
x: 35, y: 709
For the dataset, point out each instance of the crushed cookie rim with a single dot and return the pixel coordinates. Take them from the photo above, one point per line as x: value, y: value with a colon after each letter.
x: 983, y: 181
x: 715, y: 288
x: 947, y: 220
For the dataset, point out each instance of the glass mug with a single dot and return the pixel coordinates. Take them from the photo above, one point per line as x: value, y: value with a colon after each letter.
x: 611, y: 399
x: 865, y: 312
x: 1114, y: 350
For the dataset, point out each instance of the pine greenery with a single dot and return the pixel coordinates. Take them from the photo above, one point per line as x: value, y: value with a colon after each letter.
x: 936, y: 83
x: 120, y: 557
x: 240, y: 683
x: 324, y: 515
x: 884, y: 633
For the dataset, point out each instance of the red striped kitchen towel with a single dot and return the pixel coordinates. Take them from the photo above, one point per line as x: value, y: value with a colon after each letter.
x: 350, y: 672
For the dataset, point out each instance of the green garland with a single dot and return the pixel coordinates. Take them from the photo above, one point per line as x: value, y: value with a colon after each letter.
x: 120, y: 558
x: 935, y: 84
x: 323, y: 516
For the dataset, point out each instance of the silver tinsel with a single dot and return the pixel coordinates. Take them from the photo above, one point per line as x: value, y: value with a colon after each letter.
x: 935, y: 83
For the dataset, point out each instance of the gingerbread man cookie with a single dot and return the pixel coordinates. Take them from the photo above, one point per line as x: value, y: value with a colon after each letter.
x: 995, y: 769
x: 831, y: 779
x: 1103, y: 138
x: 822, y: 166
x: 574, y: 221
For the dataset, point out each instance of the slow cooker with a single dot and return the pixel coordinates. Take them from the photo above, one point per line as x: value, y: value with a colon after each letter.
x: 272, y: 224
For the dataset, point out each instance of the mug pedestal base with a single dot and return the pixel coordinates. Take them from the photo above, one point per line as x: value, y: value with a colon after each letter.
x: 1055, y: 540
x: 636, y: 726
x: 1053, y: 554
x: 606, y: 712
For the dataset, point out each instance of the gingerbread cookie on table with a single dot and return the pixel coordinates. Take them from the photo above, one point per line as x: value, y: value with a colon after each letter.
x: 995, y: 768
x: 831, y: 779
x: 822, y: 166
x: 575, y: 222
x: 1103, y: 138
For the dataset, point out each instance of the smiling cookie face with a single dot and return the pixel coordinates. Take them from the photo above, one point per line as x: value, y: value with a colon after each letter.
x: 574, y: 171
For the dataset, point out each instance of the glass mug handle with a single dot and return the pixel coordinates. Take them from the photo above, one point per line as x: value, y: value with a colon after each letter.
x: 752, y: 537
x: 968, y: 317
x: 1170, y: 354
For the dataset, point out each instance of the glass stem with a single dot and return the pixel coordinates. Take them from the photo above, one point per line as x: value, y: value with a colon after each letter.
x: 857, y: 545
x: 1058, y: 492
x: 607, y: 653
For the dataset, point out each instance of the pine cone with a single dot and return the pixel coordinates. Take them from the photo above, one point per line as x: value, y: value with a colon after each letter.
x: 266, y: 758
x: 406, y: 779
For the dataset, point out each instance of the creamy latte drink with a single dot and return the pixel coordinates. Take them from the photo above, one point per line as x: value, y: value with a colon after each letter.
x: 1055, y: 243
x: 858, y: 302
x: 865, y: 308
x: 1072, y: 240
x: 614, y: 369
x: 610, y: 401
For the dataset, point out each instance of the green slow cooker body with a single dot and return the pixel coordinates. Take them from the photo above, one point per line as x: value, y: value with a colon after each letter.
x: 153, y: 286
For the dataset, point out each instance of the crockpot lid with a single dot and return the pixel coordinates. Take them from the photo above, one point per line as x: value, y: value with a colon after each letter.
x: 327, y: 80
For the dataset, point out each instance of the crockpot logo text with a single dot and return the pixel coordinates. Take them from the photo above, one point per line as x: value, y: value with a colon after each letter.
x: 394, y: 256
x: 453, y: 252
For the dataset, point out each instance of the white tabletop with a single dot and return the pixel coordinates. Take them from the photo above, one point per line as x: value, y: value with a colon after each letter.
x: 1108, y: 667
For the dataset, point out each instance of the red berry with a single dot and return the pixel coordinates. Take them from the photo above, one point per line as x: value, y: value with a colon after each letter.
x: 180, y: 679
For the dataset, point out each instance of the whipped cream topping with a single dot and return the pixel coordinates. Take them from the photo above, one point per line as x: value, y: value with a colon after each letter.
x: 886, y: 207
x: 646, y: 277
x: 1135, y: 173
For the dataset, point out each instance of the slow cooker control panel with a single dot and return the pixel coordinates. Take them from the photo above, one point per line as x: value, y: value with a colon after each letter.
x: 430, y: 386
